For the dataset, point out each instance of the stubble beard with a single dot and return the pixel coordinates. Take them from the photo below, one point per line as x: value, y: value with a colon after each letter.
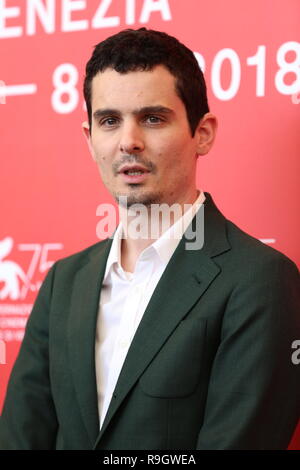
x: 136, y: 195
x: 145, y: 199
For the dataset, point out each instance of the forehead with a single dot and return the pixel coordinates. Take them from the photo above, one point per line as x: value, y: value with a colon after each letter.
x: 138, y: 88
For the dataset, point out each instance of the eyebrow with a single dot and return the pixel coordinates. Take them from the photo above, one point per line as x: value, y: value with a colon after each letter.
x: 145, y: 110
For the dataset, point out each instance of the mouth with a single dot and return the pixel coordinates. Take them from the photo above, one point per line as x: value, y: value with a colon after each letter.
x: 133, y: 174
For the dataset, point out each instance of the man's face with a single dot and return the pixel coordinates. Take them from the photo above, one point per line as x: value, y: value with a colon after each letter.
x: 140, y: 137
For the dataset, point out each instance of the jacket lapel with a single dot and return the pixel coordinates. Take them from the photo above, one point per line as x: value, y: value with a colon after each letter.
x: 81, y: 334
x: 187, y: 276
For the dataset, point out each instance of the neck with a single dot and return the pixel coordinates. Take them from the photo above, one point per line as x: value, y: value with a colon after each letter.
x: 143, y: 225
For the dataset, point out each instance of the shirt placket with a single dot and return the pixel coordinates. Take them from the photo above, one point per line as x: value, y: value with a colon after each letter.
x: 130, y: 314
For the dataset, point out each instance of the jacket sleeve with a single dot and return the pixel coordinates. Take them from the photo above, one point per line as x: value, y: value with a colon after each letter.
x: 28, y: 418
x: 253, y: 399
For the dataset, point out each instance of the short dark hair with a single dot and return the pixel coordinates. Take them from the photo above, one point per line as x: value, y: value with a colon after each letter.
x: 142, y: 49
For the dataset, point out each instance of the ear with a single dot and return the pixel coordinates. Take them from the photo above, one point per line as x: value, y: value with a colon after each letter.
x: 87, y: 135
x: 205, y: 133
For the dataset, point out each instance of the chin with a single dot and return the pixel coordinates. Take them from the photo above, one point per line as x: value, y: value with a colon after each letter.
x: 145, y: 198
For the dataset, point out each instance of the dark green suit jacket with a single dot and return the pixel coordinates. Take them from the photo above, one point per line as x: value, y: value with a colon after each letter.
x: 209, y: 366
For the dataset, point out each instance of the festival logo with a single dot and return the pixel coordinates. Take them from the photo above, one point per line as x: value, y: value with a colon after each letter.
x: 11, y: 274
x: 22, y: 270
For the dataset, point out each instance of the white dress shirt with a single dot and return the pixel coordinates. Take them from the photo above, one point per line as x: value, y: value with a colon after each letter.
x: 123, y: 301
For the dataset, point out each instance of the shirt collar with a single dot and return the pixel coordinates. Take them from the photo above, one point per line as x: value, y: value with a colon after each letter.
x: 163, y: 246
x: 168, y: 242
x: 115, y: 251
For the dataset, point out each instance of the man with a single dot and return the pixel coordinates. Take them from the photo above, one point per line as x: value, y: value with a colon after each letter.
x: 149, y: 342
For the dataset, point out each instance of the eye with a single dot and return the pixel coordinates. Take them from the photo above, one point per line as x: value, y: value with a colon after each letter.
x: 109, y: 122
x: 152, y: 119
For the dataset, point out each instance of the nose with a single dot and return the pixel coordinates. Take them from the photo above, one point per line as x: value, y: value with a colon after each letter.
x: 131, y: 140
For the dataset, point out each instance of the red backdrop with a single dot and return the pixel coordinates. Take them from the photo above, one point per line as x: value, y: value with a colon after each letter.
x: 49, y: 185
